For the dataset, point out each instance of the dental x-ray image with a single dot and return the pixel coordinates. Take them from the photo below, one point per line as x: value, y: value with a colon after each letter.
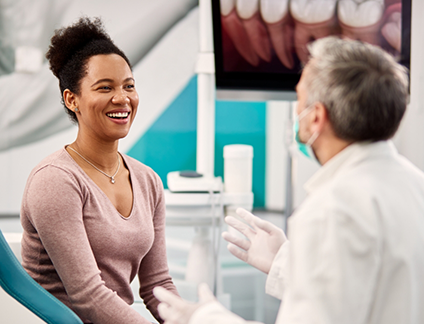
x: 271, y: 36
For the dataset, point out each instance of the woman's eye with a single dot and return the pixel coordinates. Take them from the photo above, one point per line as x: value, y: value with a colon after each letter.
x: 130, y: 86
x: 104, y: 88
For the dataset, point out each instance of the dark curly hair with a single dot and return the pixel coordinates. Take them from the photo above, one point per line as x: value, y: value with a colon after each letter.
x: 71, y: 48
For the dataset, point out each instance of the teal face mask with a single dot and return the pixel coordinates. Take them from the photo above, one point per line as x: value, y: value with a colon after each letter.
x: 305, y: 148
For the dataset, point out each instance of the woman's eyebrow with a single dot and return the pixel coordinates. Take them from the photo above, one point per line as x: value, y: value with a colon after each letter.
x: 110, y: 80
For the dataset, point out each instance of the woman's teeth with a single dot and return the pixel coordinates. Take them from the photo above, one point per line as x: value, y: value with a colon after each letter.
x: 118, y: 115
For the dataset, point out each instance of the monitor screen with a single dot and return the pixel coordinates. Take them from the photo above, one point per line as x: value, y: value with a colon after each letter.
x: 261, y: 45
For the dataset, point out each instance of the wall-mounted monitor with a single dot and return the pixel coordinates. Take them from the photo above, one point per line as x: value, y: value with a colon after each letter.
x: 260, y: 45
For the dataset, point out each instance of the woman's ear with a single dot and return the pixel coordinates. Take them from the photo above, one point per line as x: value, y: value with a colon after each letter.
x: 70, y: 100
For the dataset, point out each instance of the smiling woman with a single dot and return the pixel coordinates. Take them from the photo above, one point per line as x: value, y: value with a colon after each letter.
x: 94, y: 218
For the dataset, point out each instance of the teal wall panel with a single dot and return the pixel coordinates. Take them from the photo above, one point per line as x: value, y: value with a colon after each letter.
x: 170, y: 143
x: 243, y: 123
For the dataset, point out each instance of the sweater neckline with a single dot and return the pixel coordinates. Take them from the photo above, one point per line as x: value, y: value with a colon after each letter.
x: 85, y: 175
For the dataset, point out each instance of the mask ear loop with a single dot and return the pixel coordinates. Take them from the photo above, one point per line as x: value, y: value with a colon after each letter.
x: 305, y: 111
x: 312, y: 139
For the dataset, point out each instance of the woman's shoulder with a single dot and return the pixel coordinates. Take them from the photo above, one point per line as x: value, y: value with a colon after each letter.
x: 54, y: 174
x: 59, y: 161
x: 60, y: 158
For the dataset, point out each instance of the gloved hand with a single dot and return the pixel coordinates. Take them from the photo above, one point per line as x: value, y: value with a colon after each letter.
x: 265, y: 239
x: 175, y: 310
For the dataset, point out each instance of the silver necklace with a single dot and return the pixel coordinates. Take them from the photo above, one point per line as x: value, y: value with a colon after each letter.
x: 112, y: 178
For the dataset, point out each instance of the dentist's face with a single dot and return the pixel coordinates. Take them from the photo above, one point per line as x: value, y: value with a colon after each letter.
x: 108, y: 100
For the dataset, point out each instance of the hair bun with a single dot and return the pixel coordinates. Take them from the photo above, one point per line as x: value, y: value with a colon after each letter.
x: 69, y: 40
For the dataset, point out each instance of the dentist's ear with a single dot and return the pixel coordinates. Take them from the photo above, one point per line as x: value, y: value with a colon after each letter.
x: 70, y: 100
x: 319, y: 118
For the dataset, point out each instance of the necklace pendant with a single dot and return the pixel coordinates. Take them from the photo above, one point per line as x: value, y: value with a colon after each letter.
x: 112, y: 180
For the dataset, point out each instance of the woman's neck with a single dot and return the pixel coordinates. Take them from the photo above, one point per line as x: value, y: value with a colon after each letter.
x: 101, y: 153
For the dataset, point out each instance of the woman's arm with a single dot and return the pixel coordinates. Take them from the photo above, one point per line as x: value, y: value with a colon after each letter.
x: 154, y: 267
x: 53, y: 203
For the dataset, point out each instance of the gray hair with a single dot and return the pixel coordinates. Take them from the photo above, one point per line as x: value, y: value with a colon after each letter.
x: 364, y: 90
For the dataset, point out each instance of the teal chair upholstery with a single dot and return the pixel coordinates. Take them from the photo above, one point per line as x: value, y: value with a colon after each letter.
x: 19, y: 284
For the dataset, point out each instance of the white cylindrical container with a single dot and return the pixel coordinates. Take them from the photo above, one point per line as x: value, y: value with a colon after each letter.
x: 238, y: 168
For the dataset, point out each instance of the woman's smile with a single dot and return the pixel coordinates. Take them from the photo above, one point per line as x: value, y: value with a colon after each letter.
x: 119, y: 116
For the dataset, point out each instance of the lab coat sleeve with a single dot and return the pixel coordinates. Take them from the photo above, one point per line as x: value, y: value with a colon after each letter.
x: 334, y: 266
x: 215, y: 313
x: 278, y: 274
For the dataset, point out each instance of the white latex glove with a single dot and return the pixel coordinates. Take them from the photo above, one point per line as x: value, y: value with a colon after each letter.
x: 175, y: 310
x: 264, y: 240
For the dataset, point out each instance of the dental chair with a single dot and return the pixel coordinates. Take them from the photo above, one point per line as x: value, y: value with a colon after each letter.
x: 18, y: 284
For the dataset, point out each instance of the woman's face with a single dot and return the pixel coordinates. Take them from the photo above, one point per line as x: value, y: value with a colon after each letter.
x: 108, y: 100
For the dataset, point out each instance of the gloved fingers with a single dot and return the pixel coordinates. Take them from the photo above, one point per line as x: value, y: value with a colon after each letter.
x: 168, y: 297
x: 241, y: 243
x: 266, y: 226
x: 243, y: 228
x: 165, y: 311
x: 237, y: 252
x: 247, y: 216
x: 205, y: 294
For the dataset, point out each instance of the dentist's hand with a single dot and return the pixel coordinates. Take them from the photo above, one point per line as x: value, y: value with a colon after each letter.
x: 264, y: 240
x: 175, y: 310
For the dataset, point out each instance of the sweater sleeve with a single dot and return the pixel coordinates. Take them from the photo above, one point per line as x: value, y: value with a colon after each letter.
x: 154, y: 266
x: 53, y: 203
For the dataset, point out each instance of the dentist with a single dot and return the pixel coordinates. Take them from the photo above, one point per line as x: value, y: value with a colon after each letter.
x: 355, y: 248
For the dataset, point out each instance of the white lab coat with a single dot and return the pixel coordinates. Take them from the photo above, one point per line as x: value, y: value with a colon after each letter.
x: 356, y: 251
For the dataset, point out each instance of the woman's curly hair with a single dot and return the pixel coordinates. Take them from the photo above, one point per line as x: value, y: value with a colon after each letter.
x: 70, y: 49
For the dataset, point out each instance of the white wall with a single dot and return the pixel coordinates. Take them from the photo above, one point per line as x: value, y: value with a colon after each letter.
x: 410, y: 138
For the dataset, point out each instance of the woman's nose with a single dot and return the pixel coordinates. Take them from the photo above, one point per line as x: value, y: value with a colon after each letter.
x: 121, y: 98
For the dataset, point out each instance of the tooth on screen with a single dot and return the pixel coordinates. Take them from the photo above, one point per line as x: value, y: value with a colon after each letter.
x: 305, y: 33
x: 391, y: 29
x: 247, y: 8
x: 258, y: 35
x: 273, y: 11
x: 238, y: 35
x: 360, y: 13
x: 312, y: 11
x: 227, y: 6
x: 281, y: 34
x: 392, y: 32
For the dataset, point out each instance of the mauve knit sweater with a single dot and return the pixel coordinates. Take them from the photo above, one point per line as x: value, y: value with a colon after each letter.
x: 82, y: 250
